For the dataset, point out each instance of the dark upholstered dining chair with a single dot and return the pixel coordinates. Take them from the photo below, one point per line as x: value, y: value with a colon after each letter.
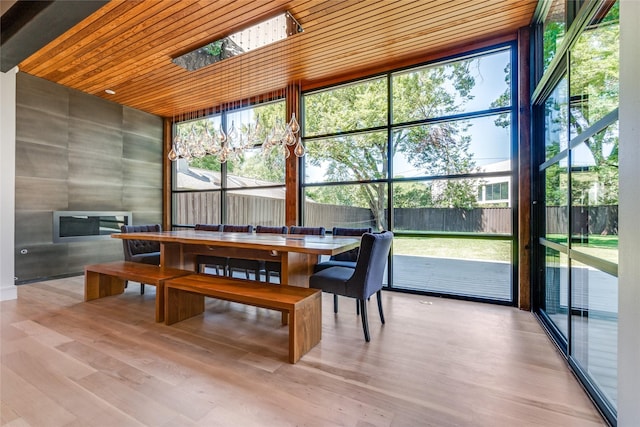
x: 253, y: 264
x: 203, y: 261
x: 143, y: 251
x: 275, y: 267
x: 309, y: 231
x: 363, y: 281
x: 345, y: 259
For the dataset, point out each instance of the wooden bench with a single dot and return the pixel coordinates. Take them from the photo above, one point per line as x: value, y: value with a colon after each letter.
x: 103, y: 280
x: 184, y: 298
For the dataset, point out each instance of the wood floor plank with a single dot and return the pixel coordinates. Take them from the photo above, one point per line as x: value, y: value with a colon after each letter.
x: 436, y: 362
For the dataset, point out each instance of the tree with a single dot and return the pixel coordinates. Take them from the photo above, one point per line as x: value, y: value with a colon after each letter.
x: 438, y: 149
x: 594, y: 93
x: 252, y: 163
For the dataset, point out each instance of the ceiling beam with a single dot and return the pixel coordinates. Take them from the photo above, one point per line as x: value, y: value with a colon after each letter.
x: 27, y: 26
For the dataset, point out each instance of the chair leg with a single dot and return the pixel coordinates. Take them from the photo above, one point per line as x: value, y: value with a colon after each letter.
x: 357, y: 307
x: 379, y: 296
x: 365, y: 323
x: 141, y: 288
x: 335, y: 303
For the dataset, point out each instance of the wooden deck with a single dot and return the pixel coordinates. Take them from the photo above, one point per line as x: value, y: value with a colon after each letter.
x: 436, y: 362
x: 481, y: 279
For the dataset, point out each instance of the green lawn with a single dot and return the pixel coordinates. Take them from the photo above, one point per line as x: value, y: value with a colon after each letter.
x: 494, y: 250
x: 605, y: 247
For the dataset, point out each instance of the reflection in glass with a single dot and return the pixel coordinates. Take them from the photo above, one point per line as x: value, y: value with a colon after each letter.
x: 556, y: 202
x: 555, y: 116
x: 594, y: 70
x: 354, y: 106
x: 451, y: 148
x: 594, y: 198
x: 449, y: 205
x: 255, y: 168
x: 253, y: 37
x: 355, y: 206
x: 355, y: 157
x: 554, y: 29
x: 260, y: 206
x: 202, y: 207
x: 556, y: 298
x: 594, y: 322
x: 246, y: 167
x: 473, y: 84
x: 477, y: 268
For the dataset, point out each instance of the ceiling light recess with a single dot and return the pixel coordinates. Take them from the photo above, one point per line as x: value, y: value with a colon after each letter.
x: 261, y: 34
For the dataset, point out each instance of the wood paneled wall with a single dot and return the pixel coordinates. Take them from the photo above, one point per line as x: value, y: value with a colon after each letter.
x: 78, y: 152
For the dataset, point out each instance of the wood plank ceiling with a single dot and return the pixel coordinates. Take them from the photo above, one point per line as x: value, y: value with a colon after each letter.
x: 128, y: 45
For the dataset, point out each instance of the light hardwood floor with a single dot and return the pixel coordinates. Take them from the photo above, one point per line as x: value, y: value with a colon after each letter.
x: 436, y: 362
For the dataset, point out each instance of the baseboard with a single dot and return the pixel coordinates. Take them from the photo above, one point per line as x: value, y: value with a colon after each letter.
x: 8, y: 293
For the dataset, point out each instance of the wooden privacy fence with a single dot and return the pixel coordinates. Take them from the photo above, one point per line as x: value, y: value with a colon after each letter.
x: 477, y: 220
x: 203, y: 207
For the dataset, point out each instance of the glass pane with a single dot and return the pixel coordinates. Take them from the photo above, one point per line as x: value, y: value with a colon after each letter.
x: 594, y: 322
x: 556, y: 298
x: 555, y: 116
x: 255, y: 168
x: 452, y: 148
x: 478, y: 268
x: 196, y: 208
x: 252, y: 166
x: 356, y: 106
x: 256, y: 207
x: 594, y: 187
x: 446, y: 206
x: 556, y: 203
x: 356, y: 206
x: 473, y: 84
x: 554, y: 29
x: 594, y: 71
x: 347, y: 158
x: 196, y: 170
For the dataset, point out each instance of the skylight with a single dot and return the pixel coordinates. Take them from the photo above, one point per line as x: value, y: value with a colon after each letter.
x: 261, y: 34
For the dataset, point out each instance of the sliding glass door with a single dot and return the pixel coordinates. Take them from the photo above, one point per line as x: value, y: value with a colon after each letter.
x: 576, y: 207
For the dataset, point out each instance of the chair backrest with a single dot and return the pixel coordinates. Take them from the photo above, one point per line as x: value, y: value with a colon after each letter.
x: 369, y: 273
x: 208, y: 227
x: 272, y: 230
x: 237, y: 228
x: 351, y: 255
x: 311, y: 231
x: 136, y: 247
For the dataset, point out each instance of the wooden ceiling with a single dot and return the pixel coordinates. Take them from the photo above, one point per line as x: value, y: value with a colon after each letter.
x: 128, y: 45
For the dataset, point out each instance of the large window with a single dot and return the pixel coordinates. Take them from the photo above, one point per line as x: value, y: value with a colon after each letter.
x: 247, y: 188
x: 427, y: 153
x: 577, y: 180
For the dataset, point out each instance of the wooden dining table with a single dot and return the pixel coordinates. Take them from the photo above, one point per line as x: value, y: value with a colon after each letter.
x: 297, y: 253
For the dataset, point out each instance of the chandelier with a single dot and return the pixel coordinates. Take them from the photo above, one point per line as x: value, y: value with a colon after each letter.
x: 198, y: 142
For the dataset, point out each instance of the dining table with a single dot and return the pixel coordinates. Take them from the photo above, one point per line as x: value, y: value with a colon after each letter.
x: 298, y: 254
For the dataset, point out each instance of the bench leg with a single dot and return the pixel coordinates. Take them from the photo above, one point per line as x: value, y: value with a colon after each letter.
x: 305, y: 327
x: 180, y: 305
x: 97, y: 285
x: 160, y: 301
